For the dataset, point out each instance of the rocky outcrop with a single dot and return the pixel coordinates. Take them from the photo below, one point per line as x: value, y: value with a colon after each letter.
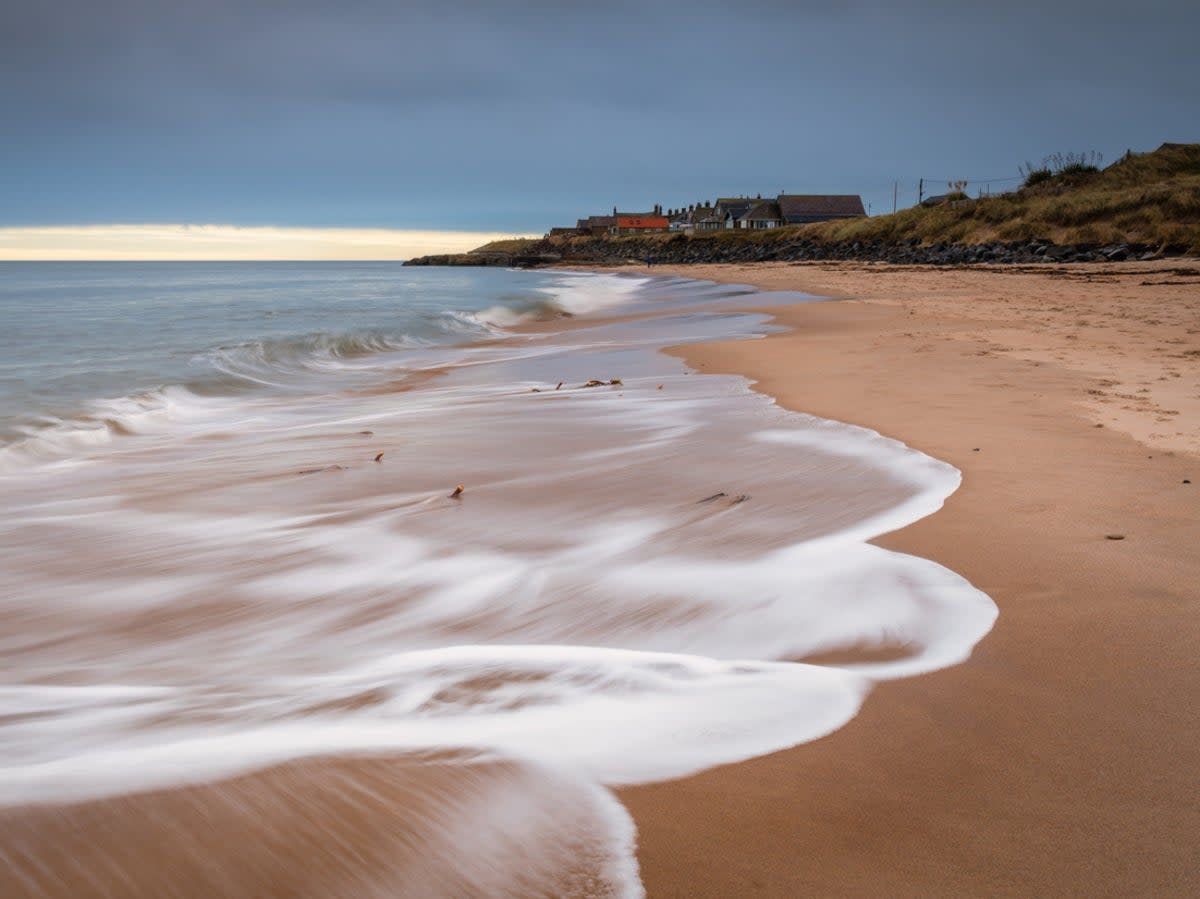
x: 506, y: 260
x: 457, y: 259
x: 683, y: 250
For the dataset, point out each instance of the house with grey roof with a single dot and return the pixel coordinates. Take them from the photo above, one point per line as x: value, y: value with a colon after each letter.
x: 597, y: 225
x: 725, y: 213
x: 763, y: 214
x: 801, y: 209
x: 688, y: 220
x: 733, y: 208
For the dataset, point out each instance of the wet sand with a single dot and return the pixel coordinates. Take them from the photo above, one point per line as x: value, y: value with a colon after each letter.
x: 327, y: 827
x: 1062, y: 758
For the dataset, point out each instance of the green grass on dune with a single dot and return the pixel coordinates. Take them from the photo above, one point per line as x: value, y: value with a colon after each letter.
x: 510, y: 245
x: 1151, y: 198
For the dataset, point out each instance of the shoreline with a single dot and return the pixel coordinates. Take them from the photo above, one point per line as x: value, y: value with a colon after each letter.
x: 569, y: 576
x: 865, y: 810
x: 1059, y: 759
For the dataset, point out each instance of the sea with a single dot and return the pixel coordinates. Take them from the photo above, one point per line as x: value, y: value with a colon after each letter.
x: 356, y: 579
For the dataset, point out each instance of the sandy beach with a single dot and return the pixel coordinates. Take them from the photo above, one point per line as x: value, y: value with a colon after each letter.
x: 1058, y: 760
x: 1061, y: 759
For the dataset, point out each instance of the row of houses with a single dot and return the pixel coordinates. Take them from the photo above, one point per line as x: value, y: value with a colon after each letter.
x: 752, y: 213
x: 620, y: 223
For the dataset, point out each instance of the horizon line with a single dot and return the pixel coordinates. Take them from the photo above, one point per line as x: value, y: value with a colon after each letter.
x: 231, y: 243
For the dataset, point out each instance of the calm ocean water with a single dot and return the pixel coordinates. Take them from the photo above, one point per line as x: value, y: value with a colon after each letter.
x: 72, y: 334
x: 237, y: 596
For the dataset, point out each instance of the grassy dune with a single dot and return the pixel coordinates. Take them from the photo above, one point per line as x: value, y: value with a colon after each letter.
x: 511, y: 245
x: 1150, y: 198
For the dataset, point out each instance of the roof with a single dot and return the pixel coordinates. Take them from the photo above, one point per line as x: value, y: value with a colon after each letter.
x: 764, y: 211
x: 823, y: 205
x: 641, y: 215
x: 601, y: 221
x: 736, y: 205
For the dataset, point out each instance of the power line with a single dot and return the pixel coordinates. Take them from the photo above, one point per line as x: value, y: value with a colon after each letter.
x: 978, y: 180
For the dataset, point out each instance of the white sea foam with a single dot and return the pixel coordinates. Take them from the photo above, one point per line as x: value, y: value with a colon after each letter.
x: 106, y: 421
x: 670, y: 684
x: 571, y: 294
x: 612, y: 716
x: 580, y: 294
x: 626, y: 592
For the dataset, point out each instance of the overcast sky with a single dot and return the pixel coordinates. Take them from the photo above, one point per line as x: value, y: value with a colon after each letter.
x: 516, y: 116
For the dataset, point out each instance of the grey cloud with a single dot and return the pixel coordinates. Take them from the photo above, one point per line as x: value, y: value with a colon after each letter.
x: 489, y: 114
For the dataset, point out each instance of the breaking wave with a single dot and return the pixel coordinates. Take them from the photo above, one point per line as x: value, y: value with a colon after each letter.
x: 645, y: 577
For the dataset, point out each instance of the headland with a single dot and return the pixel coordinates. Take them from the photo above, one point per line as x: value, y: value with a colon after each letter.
x: 1142, y: 207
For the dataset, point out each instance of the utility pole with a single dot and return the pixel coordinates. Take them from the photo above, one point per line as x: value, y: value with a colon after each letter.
x: 895, y: 193
x: 921, y: 192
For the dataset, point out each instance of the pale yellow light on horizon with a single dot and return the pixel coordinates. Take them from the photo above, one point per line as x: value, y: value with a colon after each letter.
x: 221, y: 243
